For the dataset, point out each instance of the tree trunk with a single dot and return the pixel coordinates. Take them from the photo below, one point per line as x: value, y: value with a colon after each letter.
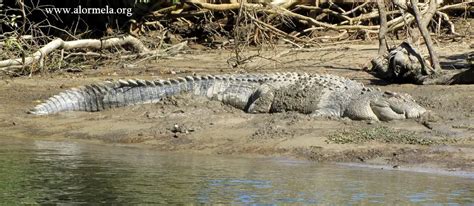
x: 423, y: 26
x: 383, y: 27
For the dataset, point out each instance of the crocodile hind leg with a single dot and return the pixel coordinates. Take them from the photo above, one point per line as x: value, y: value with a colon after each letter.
x: 261, y: 101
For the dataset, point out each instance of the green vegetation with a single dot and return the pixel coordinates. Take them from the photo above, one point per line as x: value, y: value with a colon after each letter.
x: 385, y: 135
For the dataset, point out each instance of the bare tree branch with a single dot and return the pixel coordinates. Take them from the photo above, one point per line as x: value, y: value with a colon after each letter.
x: 423, y: 27
x: 56, y: 44
x: 383, y: 27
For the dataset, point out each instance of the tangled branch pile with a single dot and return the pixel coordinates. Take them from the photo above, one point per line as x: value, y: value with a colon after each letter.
x: 298, y: 21
x: 27, y: 41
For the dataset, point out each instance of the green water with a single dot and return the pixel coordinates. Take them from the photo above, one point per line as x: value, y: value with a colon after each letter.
x: 51, y: 172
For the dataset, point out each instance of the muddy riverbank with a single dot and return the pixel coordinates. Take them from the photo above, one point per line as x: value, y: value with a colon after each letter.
x: 444, y: 141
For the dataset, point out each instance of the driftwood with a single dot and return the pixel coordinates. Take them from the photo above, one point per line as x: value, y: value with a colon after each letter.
x: 95, y: 44
x: 357, y: 20
x: 296, y: 22
x: 404, y: 64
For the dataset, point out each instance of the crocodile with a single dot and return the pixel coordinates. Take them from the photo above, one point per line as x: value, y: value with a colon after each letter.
x: 318, y: 95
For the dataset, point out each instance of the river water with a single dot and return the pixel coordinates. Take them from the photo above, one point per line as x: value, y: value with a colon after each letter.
x: 44, y: 172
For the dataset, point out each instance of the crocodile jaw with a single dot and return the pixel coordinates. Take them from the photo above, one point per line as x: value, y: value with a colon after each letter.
x: 393, y: 106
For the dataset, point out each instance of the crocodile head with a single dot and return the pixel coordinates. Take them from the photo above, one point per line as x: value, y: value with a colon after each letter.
x: 383, y: 106
x: 391, y: 106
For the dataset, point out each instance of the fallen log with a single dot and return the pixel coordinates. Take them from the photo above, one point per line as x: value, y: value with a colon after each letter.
x: 96, y: 44
x: 404, y: 64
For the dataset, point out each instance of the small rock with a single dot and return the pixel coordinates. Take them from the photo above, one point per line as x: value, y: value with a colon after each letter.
x: 129, y: 66
x: 180, y: 129
x: 176, y: 128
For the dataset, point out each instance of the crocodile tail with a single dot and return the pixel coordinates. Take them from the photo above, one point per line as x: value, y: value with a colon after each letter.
x: 110, y: 94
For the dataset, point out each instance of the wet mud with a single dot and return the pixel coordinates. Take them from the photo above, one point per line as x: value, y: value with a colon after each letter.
x: 194, y: 124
